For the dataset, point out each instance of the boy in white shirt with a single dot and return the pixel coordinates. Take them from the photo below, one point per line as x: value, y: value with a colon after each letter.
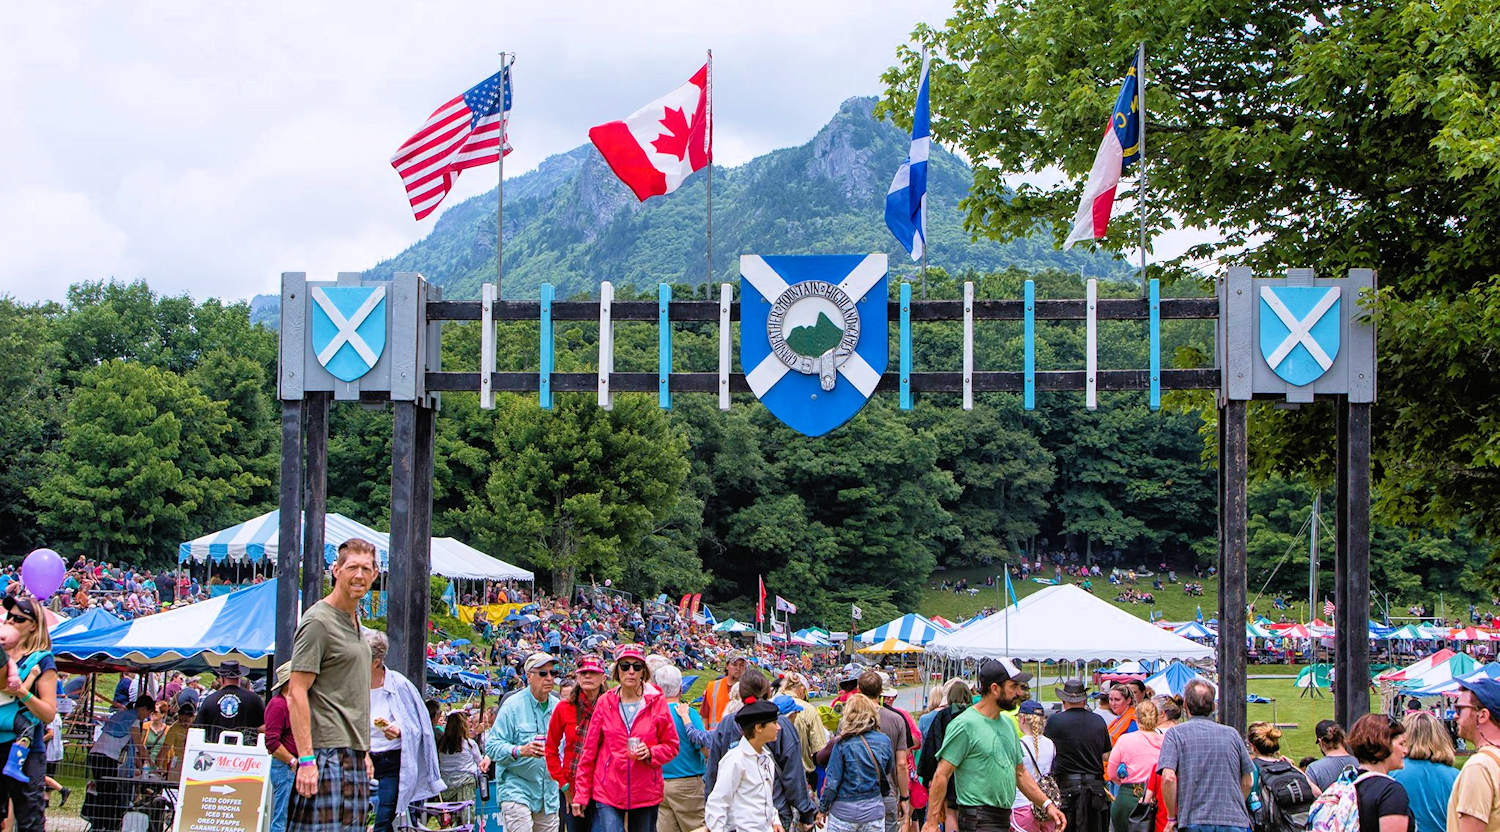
x: 741, y: 800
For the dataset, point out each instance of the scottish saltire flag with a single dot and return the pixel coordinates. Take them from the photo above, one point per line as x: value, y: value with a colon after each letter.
x: 1120, y: 147
x: 906, y: 201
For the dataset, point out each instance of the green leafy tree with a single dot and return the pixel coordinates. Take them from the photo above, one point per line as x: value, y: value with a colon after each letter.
x: 34, y: 413
x: 576, y: 490
x: 1307, y: 134
x: 142, y: 464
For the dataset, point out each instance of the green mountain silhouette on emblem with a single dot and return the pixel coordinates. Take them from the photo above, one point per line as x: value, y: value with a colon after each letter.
x: 813, y: 341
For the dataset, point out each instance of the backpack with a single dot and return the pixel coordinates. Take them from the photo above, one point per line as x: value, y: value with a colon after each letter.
x: 1285, y: 797
x: 1337, y: 808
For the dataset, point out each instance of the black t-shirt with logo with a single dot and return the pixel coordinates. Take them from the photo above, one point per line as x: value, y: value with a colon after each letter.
x: 231, y: 708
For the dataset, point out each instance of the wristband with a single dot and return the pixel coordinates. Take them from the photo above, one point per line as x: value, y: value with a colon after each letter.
x: 26, y: 697
x: 307, y: 764
x: 310, y: 758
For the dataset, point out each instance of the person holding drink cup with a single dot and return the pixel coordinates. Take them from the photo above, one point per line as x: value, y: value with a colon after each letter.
x: 630, y: 738
x: 517, y: 743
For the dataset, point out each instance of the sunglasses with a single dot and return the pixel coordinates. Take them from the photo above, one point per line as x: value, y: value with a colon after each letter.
x: 18, y: 618
x: 635, y: 666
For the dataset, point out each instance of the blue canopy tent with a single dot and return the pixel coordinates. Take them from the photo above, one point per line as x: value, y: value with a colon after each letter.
x: 91, y: 619
x: 1173, y: 678
x: 239, y: 626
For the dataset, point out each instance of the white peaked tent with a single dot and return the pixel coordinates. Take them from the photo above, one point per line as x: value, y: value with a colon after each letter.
x: 1065, y: 623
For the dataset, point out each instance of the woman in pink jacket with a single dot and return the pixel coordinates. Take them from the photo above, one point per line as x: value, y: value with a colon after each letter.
x: 631, y: 736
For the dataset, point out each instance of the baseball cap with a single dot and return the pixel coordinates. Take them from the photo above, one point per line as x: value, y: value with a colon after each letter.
x: 590, y: 664
x: 1031, y: 706
x: 996, y: 671
x: 537, y: 661
x: 630, y: 651
x: 1487, y: 691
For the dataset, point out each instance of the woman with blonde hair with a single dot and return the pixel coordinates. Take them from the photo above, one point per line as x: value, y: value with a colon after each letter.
x: 36, y: 697
x: 1428, y: 774
x: 1132, y: 761
x: 854, y: 788
x: 1037, y: 754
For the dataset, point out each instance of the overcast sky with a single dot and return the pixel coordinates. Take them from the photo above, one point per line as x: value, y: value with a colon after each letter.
x: 209, y: 147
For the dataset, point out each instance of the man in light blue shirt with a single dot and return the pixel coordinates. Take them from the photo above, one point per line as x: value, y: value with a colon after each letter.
x: 517, y: 745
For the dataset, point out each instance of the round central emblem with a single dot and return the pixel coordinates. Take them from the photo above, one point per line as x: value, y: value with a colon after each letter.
x: 813, y: 328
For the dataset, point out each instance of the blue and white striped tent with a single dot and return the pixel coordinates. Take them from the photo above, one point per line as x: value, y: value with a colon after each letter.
x: 256, y: 540
x: 1193, y: 629
x: 92, y: 619
x: 912, y: 628
x: 239, y: 626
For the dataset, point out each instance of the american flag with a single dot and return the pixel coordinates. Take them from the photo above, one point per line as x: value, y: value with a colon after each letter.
x: 463, y: 133
x: 1328, y: 608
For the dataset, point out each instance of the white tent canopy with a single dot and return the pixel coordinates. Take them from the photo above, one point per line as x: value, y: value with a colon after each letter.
x: 1064, y: 623
x: 456, y: 559
x: 256, y: 540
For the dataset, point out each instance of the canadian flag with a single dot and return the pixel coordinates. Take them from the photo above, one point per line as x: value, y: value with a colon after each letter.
x: 660, y: 144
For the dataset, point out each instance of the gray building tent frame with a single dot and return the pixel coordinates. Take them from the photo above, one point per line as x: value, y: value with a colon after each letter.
x: 410, y: 377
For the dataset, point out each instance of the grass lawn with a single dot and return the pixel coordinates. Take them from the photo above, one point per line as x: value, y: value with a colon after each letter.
x: 1290, y: 707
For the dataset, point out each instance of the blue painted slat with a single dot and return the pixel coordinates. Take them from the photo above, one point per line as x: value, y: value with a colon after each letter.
x: 906, y: 346
x: 663, y: 347
x: 1030, y: 348
x: 544, y: 380
x: 1155, y: 330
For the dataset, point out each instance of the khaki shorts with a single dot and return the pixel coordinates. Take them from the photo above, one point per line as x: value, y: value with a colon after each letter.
x: 518, y: 817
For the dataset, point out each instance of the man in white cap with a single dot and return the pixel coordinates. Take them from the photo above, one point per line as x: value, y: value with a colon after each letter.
x: 517, y: 742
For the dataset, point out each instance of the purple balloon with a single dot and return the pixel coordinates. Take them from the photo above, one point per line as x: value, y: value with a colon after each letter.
x: 43, y: 572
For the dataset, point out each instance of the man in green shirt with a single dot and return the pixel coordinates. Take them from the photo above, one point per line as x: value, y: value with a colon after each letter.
x: 983, y: 749
x: 328, y: 701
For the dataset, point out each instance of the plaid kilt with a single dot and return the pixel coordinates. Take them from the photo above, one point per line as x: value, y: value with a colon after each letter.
x: 342, y: 803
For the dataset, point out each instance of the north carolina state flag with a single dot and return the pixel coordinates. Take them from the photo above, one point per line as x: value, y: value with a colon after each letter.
x: 656, y: 148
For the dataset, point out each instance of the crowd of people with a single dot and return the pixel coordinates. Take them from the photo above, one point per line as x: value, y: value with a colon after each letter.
x: 594, y: 735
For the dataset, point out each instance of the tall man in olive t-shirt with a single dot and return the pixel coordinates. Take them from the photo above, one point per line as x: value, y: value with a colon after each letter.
x: 983, y: 748
x: 328, y: 699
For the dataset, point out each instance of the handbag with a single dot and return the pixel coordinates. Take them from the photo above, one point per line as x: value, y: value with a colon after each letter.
x: 1046, y: 782
x: 1142, y: 818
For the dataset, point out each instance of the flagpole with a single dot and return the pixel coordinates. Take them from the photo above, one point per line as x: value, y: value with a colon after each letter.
x: 500, y: 178
x: 923, y: 229
x: 1140, y: 95
x: 708, y: 138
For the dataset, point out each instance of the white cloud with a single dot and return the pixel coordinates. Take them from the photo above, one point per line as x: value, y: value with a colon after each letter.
x: 209, y: 148
x: 53, y: 238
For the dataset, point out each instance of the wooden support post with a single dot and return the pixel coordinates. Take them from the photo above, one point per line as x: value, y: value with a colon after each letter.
x: 407, y: 582
x: 1351, y: 676
x: 289, y: 553
x: 315, y: 495
x: 1234, y: 521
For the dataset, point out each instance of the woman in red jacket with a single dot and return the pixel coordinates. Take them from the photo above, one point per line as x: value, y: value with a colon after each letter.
x: 630, y: 737
x: 566, y: 732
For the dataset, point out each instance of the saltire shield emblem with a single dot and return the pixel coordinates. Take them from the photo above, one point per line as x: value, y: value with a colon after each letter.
x: 348, y: 328
x: 1299, y: 331
x: 813, y: 335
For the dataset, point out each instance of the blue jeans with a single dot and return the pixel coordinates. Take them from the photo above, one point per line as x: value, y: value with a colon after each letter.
x: 610, y: 819
x: 388, y: 771
x: 283, y: 779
